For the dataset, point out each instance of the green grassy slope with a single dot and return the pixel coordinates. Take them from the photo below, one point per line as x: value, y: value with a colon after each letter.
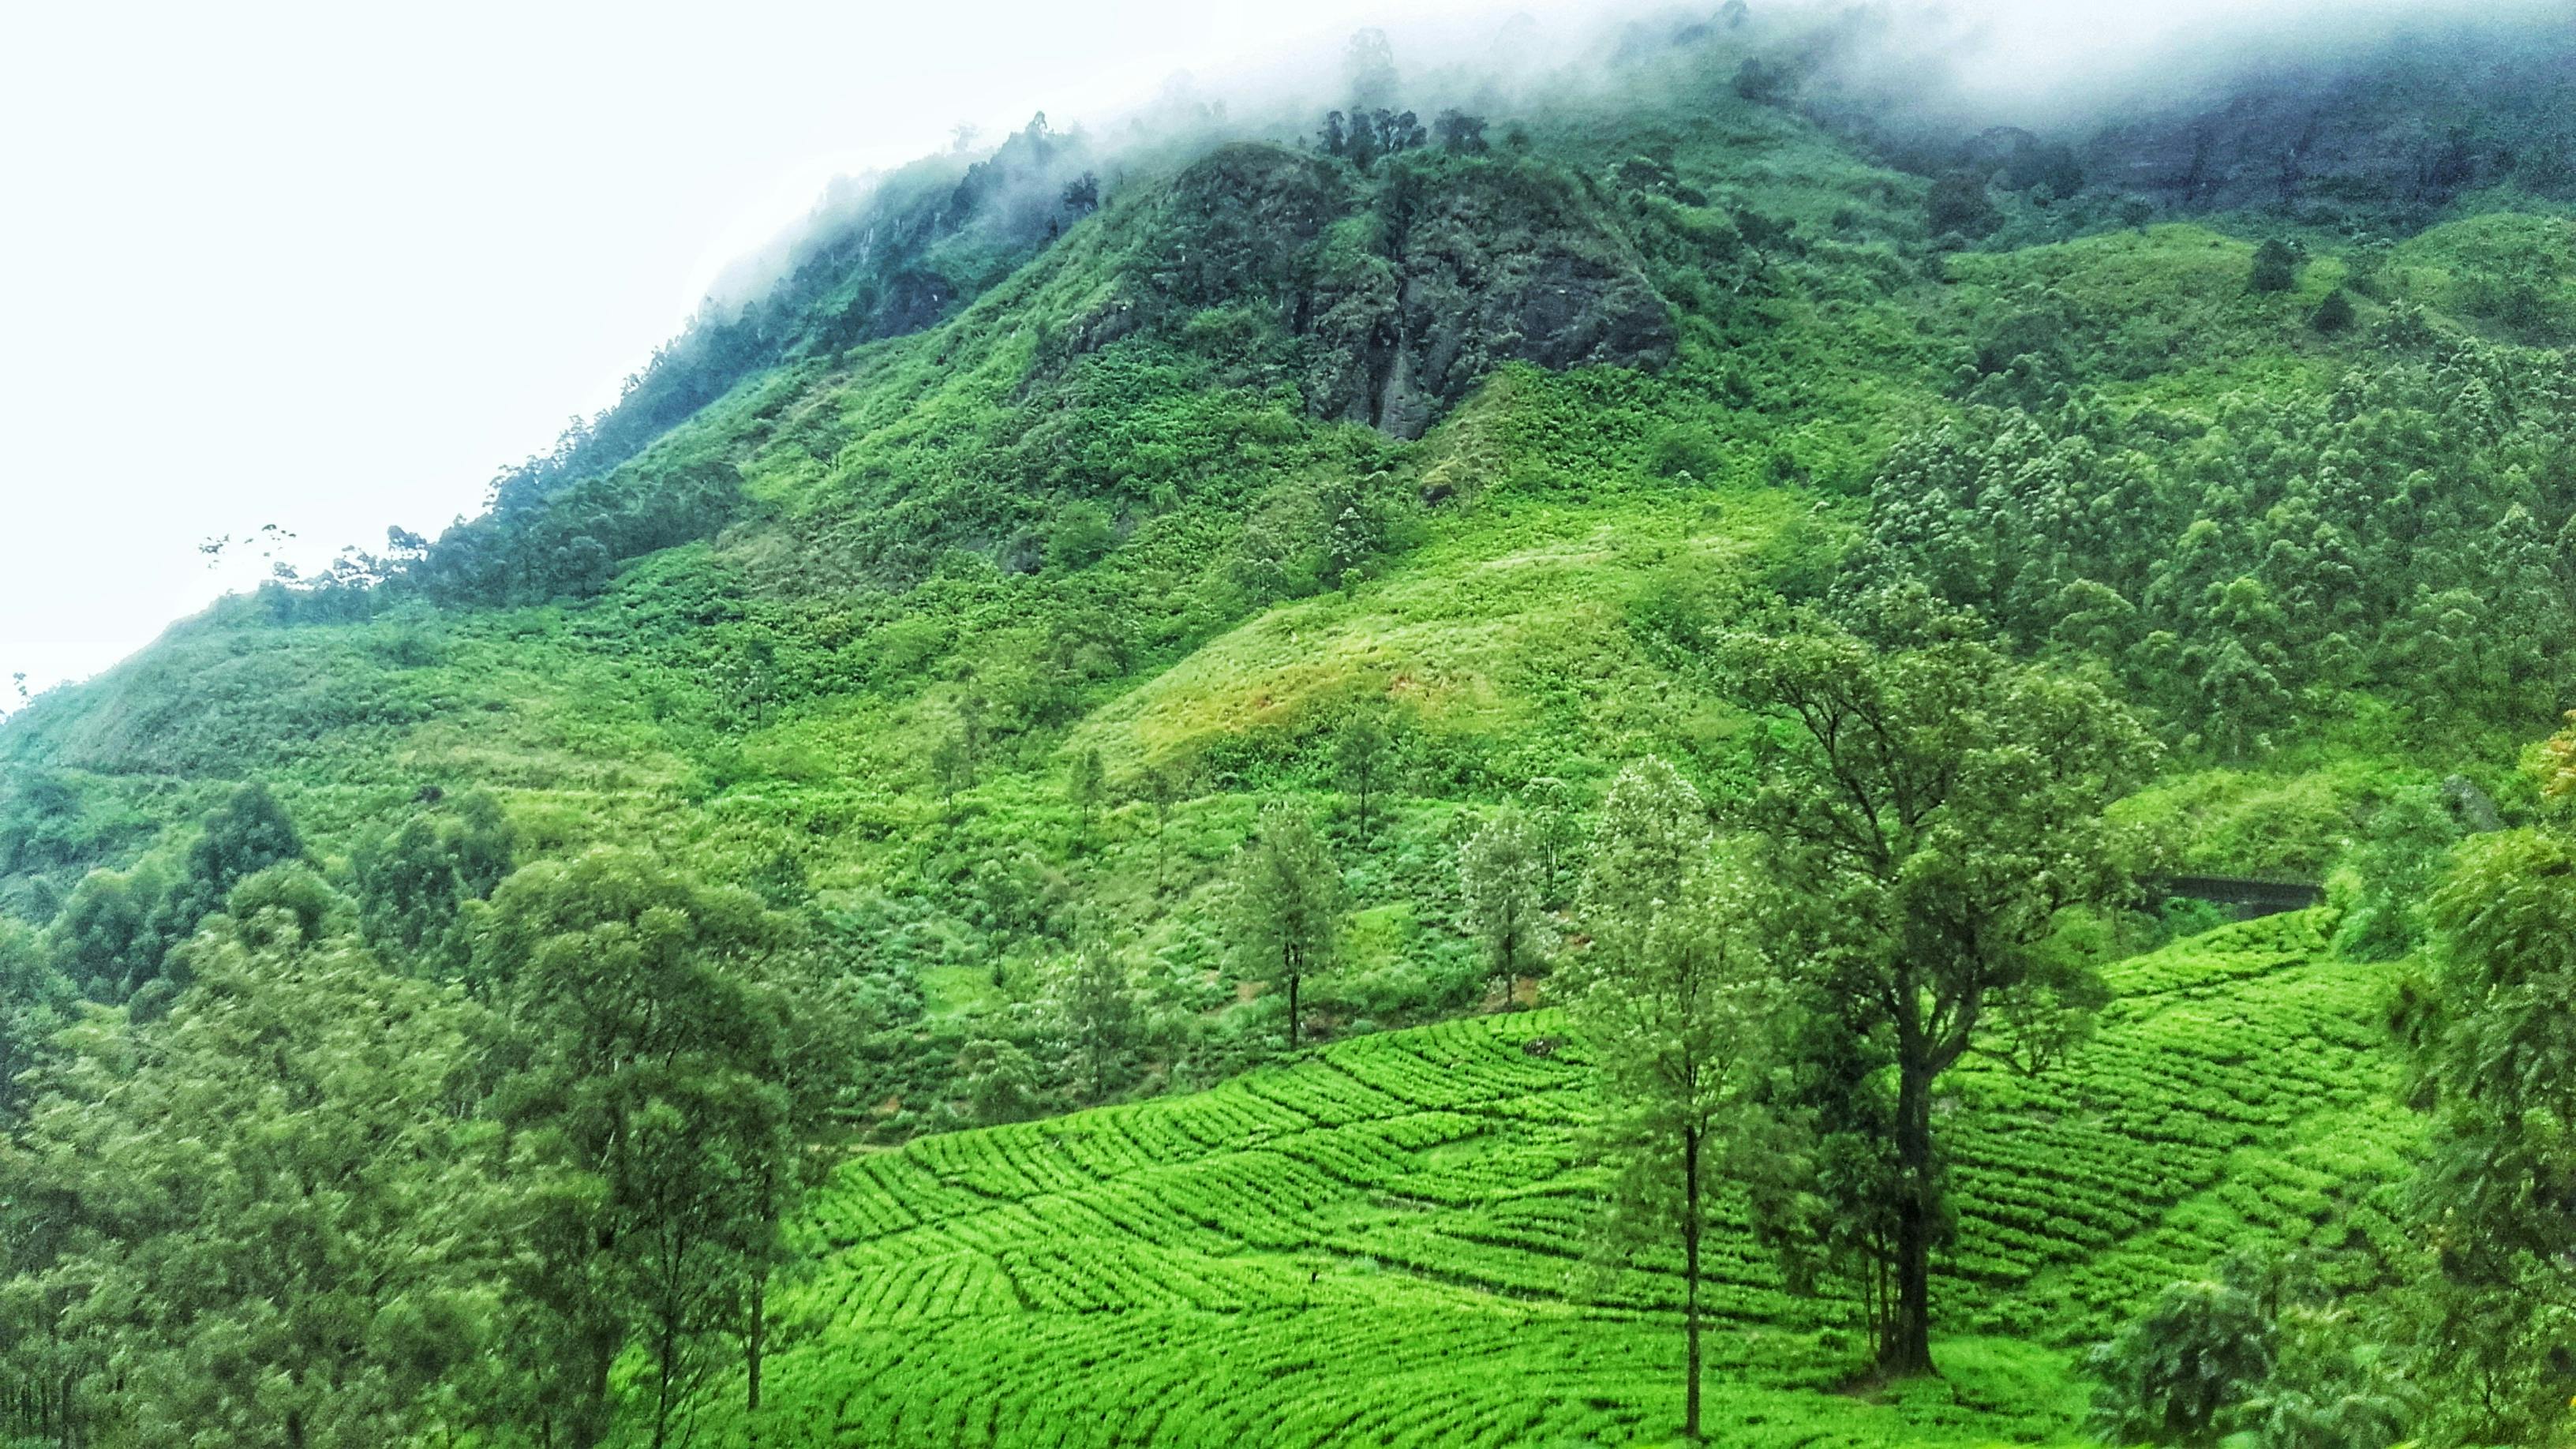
x: 1378, y: 1243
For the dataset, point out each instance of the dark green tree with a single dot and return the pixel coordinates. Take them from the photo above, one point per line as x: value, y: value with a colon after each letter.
x: 2172, y: 1376
x: 1932, y: 812
x: 36, y: 1001
x: 272, y: 1222
x: 2494, y: 1051
x: 1083, y: 787
x: 1096, y: 1017
x: 2275, y: 269
x: 412, y: 884
x: 651, y: 1111
x: 1001, y: 1081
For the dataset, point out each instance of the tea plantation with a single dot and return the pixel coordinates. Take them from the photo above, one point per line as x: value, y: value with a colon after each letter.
x: 1381, y: 1242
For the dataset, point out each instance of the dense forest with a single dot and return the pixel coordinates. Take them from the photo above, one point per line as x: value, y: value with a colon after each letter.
x: 1518, y: 756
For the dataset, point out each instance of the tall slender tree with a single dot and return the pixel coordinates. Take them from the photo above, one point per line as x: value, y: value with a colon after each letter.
x: 1363, y: 756
x: 1287, y: 909
x: 1502, y: 880
x: 1678, y: 1003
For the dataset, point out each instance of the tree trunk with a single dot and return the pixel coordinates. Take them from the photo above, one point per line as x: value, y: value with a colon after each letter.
x: 666, y: 1355
x: 753, y: 1342
x: 1292, y: 1011
x: 1906, y: 1351
x: 1690, y: 1284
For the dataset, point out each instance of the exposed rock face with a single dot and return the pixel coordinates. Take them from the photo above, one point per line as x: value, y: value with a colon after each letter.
x: 2408, y: 127
x: 1399, y: 296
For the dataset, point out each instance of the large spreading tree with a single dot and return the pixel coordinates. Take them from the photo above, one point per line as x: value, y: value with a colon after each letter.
x: 2492, y: 1028
x: 1932, y: 812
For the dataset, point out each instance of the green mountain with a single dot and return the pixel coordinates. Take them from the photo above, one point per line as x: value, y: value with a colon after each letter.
x: 848, y: 746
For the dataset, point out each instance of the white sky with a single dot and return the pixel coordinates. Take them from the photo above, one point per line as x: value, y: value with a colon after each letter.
x: 329, y: 266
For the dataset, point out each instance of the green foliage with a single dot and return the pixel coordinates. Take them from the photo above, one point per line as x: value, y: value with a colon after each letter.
x: 1502, y: 883
x: 204, y: 1183
x: 413, y: 884
x: 1680, y: 1008
x: 651, y: 1101
x: 1097, y: 1019
x: 2494, y: 1046
x: 1286, y: 914
x: 2404, y: 849
x: 2256, y: 1353
x: 2276, y: 267
x: 1932, y: 813
x: 2171, y: 1377
x: 35, y: 1003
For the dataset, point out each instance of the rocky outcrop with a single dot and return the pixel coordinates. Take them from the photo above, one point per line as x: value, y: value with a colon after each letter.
x: 1400, y: 290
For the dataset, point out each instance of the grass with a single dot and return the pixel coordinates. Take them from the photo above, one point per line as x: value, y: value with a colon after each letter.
x: 1381, y: 1242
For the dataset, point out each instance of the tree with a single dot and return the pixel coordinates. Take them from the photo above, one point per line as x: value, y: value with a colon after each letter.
x: 1958, y: 205
x: 1368, y: 70
x: 2171, y: 1376
x: 1082, y: 194
x: 2275, y: 269
x: 1286, y: 917
x: 2493, y: 1046
x: 1502, y: 879
x: 1460, y: 134
x: 1162, y: 791
x: 2256, y: 1354
x: 271, y: 1223
x: 2389, y: 876
x: 1677, y: 1001
x: 107, y: 940
x: 1094, y: 1005
x: 1083, y: 534
x: 35, y: 1002
x: 1762, y: 82
x: 650, y: 1111
x: 1363, y: 756
x: 1000, y: 1079
x: 2334, y: 314
x: 948, y: 767
x: 412, y: 884
x: 2048, y: 1015
x: 1550, y: 804
x: 248, y: 833
x: 1082, y: 790
x: 1931, y: 813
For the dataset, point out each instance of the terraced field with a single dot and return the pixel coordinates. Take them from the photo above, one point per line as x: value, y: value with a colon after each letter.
x: 1383, y: 1243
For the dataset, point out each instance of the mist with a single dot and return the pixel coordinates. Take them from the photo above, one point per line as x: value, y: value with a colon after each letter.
x: 330, y: 274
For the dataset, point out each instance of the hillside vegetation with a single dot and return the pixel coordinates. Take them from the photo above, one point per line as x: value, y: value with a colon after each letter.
x: 1383, y: 1243
x: 968, y: 864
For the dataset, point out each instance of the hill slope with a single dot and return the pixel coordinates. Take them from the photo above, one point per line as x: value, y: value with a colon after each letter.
x: 1380, y: 1242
